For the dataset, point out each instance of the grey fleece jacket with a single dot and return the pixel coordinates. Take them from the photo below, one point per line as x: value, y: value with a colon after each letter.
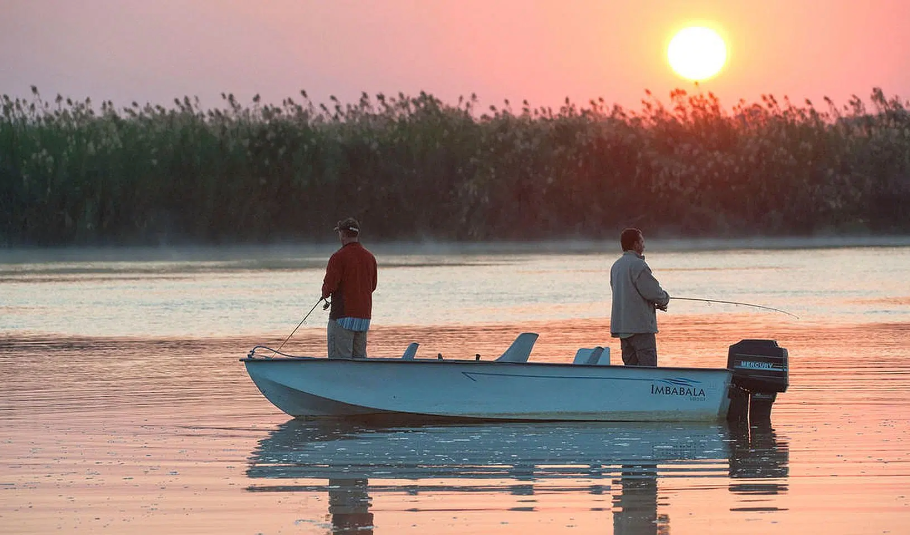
x: 635, y: 294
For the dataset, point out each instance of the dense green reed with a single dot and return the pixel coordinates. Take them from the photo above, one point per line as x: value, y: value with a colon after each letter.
x: 418, y: 168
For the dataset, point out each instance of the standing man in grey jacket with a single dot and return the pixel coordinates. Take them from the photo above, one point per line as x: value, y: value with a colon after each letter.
x: 636, y: 297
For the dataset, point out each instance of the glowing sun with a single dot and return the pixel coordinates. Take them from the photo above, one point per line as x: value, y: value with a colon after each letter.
x: 697, y: 53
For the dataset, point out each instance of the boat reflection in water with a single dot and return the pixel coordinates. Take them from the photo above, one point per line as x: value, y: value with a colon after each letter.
x: 759, y: 464
x: 627, y: 460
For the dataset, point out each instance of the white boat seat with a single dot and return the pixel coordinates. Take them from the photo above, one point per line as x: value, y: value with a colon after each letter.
x: 411, y: 351
x: 520, y: 349
x: 593, y: 355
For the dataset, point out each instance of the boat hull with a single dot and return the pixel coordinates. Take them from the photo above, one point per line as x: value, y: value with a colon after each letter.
x: 490, y: 390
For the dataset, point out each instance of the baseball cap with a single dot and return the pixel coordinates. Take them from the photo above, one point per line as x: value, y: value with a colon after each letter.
x: 350, y: 224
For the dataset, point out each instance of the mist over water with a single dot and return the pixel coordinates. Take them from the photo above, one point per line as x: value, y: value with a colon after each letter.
x: 125, y: 408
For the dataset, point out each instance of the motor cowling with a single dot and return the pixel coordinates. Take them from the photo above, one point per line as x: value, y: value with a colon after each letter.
x: 760, y: 370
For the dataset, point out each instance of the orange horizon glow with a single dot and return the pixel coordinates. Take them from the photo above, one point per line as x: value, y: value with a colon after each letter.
x: 542, y: 52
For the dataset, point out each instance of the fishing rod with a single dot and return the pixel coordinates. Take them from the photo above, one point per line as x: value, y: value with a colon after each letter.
x: 734, y: 303
x: 298, y: 325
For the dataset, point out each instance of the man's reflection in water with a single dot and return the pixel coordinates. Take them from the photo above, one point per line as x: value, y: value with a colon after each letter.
x: 635, y: 507
x: 758, y: 454
x: 349, y: 506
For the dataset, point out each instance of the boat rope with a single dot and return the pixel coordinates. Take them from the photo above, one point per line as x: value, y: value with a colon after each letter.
x: 734, y: 303
x: 252, y: 353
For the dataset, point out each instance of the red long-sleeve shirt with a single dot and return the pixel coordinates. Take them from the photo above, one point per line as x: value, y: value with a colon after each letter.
x: 350, y: 279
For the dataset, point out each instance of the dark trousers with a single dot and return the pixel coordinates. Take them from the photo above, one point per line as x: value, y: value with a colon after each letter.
x: 639, y: 350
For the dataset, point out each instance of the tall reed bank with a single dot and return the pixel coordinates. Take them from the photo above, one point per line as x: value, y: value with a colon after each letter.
x: 418, y: 168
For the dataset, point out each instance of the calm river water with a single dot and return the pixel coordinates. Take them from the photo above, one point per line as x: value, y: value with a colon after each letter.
x: 124, y: 408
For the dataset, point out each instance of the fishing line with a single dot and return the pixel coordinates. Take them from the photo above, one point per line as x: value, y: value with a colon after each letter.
x: 298, y: 325
x: 734, y: 303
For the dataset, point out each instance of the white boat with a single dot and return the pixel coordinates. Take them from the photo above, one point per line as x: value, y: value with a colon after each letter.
x: 512, y: 388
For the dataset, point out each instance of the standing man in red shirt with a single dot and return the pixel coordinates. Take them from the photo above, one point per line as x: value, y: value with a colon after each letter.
x: 350, y: 279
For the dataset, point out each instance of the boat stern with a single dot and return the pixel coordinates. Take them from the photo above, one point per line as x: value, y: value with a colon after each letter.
x: 760, y: 371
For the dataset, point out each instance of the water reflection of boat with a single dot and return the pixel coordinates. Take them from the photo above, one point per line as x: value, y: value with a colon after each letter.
x: 352, y: 461
x: 759, y: 463
x: 523, y: 451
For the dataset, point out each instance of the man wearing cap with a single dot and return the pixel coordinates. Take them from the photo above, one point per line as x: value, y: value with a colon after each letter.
x: 350, y: 279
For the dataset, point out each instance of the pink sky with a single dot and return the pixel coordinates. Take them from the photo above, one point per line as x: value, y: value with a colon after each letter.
x: 543, y: 50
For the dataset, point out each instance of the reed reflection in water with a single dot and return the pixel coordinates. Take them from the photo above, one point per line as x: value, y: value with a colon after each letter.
x: 621, y: 467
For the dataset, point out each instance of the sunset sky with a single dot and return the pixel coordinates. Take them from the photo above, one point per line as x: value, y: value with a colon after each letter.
x: 539, y: 50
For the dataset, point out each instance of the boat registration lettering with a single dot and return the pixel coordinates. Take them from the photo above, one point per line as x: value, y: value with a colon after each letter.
x: 693, y: 393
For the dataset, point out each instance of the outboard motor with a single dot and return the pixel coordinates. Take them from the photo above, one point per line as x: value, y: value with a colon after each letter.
x: 760, y: 370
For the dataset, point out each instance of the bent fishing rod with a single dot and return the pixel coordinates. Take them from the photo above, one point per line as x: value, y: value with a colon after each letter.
x: 298, y: 325
x: 733, y: 303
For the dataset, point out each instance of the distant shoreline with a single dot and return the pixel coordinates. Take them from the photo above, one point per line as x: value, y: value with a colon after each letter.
x: 207, y: 252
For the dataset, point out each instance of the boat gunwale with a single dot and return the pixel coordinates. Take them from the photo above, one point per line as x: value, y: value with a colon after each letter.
x: 436, y: 362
